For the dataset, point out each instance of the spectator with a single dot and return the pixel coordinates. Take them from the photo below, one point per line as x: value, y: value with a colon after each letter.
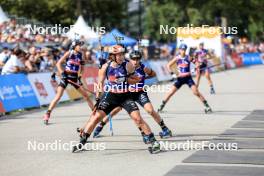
x: 4, y: 56
x: 47, y: 62
x: 16, y: 63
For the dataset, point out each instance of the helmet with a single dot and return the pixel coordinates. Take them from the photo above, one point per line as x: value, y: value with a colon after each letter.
x: 116, y: 49
x: 75, y: 43
x: 135, y: 54
x: 183, y: 46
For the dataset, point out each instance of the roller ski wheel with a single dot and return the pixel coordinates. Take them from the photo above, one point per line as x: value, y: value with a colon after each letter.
x: 154, y: 148
x: 166, y: 133
x: 208, y: 110
x: 97, y: 131
x: 46, y: 118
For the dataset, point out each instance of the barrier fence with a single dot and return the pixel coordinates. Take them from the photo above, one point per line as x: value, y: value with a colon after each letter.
x: 20, y: 91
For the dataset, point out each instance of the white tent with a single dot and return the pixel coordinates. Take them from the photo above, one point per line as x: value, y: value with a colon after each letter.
x: 82, y: 29
x: 3, y: 16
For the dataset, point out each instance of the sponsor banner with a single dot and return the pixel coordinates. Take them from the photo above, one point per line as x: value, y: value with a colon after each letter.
x: 44, y: 88
x: 160, y: 67
x: 151, y: 80
x: 90, y: 76
x: 251, y: 58
x: 16, y: 92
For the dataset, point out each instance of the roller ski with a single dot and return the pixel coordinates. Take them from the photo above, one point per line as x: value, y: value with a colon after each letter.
x: 154, y: 148
x: 208, y: 110
x: 83, y: 140
x: 165, y: 133
x: 46, y: 118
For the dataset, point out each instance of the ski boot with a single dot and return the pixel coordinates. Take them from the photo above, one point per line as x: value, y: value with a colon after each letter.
x: 46, y: 118
x: 154, y: 148
x: 208, y: 110
x: 146, y: 139
x: 165, y: 133
x: 80, y: 145
x: 212, y: 91
x: 97, y: 131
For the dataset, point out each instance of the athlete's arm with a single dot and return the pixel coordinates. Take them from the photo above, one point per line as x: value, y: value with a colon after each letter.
x: 101, y: 78
x: 171, y: 62
x: 149, y: 72
x: 61, y: 60
x: 132, y: 79
x: 82, y: 65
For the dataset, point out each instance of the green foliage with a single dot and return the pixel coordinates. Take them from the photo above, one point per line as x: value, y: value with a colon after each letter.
x: 247, y: 15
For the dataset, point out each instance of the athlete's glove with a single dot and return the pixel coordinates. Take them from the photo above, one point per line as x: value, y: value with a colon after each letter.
x: 97, y: 101
x: 80, y: 80
x: 64, y: 75
x: 174, y: 76
x: 53, y: 76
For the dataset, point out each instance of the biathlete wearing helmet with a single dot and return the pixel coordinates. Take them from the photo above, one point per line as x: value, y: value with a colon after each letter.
x: 184, y: 77
x: 73, y: 64
x: 200, y: 58
x: 116, y: 87
x: 137, y: 92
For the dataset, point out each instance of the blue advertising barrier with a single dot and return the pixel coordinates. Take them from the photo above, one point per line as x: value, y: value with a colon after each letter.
x: 251, y: 59
x: 16, y: 92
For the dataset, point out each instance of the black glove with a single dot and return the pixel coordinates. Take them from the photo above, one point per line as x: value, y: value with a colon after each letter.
x: 64, y: 75
x: 53, y: 76
x: 97, y: 101
x: 80, y: 80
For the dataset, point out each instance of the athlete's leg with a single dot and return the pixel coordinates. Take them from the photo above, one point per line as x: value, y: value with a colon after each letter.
x: 197, y: 93
x: 53, y: 103
x: 93, y: 121
x: 55, y: 100
x: 171, y: 92
x: 208, y: 77
x: 198, y: 78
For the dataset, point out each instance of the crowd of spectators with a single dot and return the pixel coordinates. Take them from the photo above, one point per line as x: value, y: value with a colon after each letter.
x: 22, y: 51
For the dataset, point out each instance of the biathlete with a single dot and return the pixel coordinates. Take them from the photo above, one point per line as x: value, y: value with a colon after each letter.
x: 71, y: 74
x: 183, y: 62
x: 201, y: 56
x: 118, y: 73
x: 140, y: 96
